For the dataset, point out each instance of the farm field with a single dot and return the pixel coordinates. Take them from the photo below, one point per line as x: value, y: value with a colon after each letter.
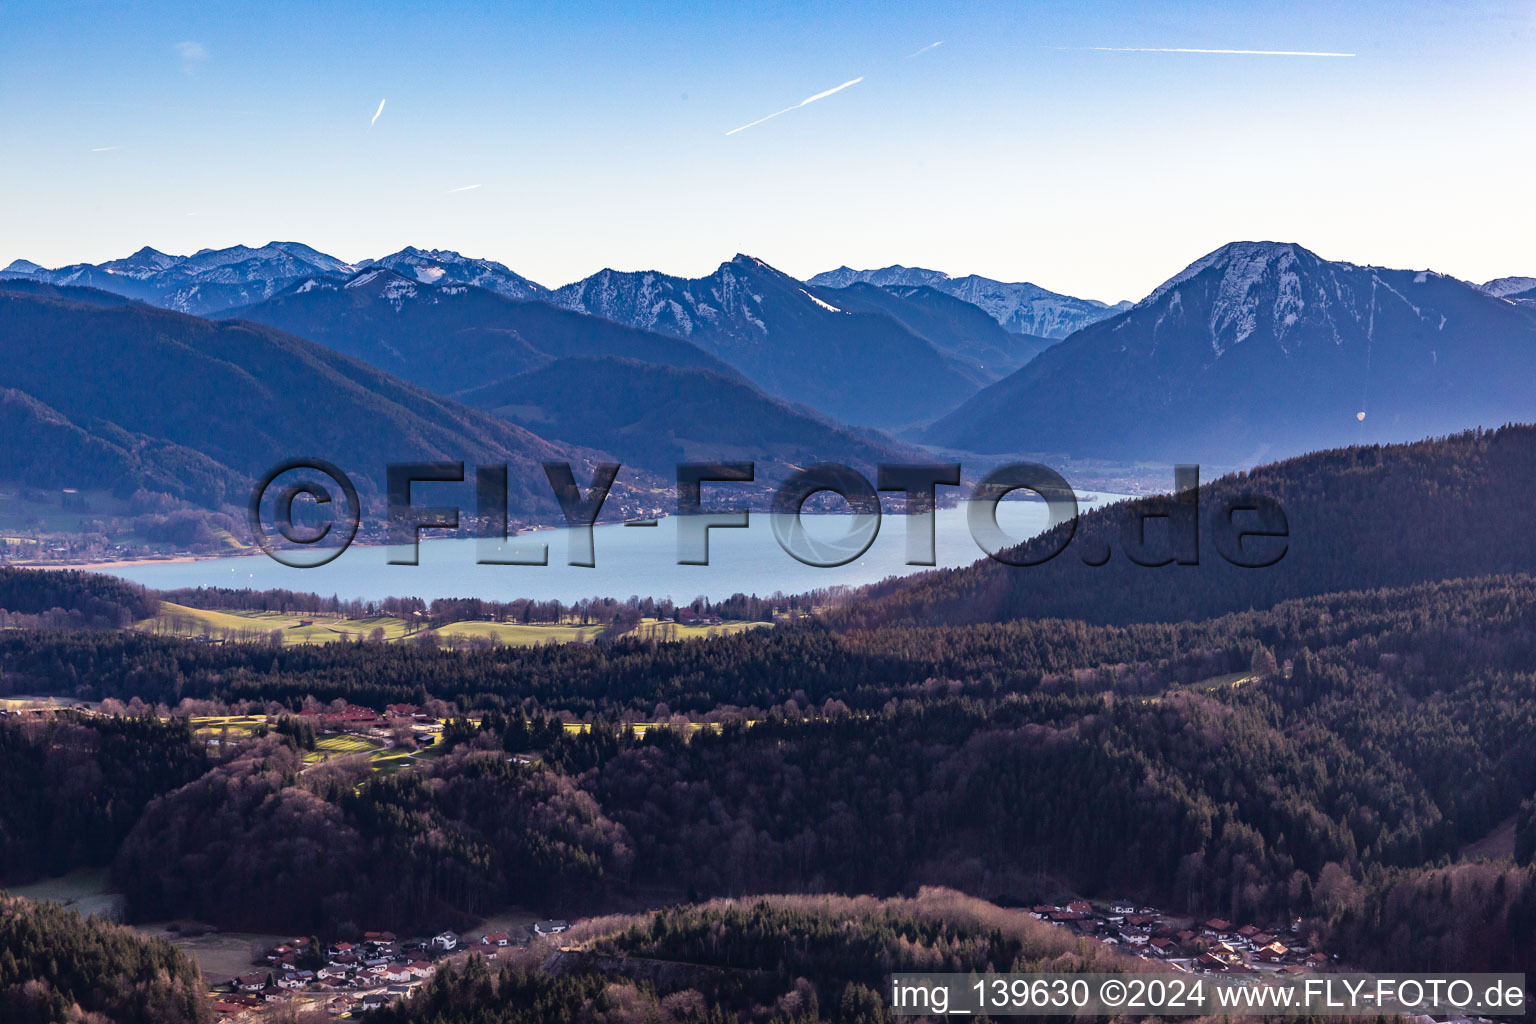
x: 653, y: 629
x: 519, y: 634
x: 180, y: 620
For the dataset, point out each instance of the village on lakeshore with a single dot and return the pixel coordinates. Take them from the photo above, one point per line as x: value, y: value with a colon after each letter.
x: 1214, y: 946
x: 345, y: 977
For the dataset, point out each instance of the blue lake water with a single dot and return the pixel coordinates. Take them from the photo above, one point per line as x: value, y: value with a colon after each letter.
x: 629, y: 560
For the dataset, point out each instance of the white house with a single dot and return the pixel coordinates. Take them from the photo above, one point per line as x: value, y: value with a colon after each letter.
x: 446, y: 941
x: 550, y: 927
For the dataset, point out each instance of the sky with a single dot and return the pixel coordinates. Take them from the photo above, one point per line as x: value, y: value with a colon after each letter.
x: 1090, y: 148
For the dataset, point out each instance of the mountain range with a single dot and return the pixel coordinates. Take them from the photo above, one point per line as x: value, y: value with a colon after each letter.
x: 647, y: 399
x: 1259, y: 350
x: 212, y: 280
x: 1021, y: 307
x: 1255, y: 351
x: 858, y: 367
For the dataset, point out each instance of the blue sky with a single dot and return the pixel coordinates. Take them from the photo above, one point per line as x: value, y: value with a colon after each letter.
x: 597, y: 134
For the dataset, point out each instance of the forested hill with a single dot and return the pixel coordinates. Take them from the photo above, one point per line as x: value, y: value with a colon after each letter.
x: 58, y: 966
x: 1358, y: 518
x: 71, y: 599
x: 807, y: 959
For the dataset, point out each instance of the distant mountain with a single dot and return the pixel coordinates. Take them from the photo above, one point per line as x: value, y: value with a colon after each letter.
x: 953, y: 326
x: 213, y: 280
x: 205, y: 282
x: 107, y: 393
x: 1262, y: 349
x: 1358, y: 519
x: 858, y: 367
x: 451, y: 337
x: 1505, y: 287
x: 1023, y: 308
x: 656, y: 416
x: 440, y: 266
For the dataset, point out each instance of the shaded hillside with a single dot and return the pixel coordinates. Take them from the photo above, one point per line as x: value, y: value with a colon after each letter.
x: 1261, y: 350
x: 952, y: 325
x: 155, y: 397
x: 453, y: 337
x: 656, y: 416
x: 1358, y: 518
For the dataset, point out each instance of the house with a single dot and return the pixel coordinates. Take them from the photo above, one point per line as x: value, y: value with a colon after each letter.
x: 1080, y: 907
x: 1122, y: 907
x: 496, y: 939
x: 290, y: 980
x: 1247, y: 931
x: 1272, y: 953
x: 398, y: 973
x: 1218, y: 928
x: 341, y: 948
x: 379, y: 937
x: 1211, y: 962
x: 446, y: 941
x: 419, y: 969
x: 253, y: 982
x: 1132, y: 937
x: 1163, y: 947
x: 1042, y: 911
x: 549, y: 927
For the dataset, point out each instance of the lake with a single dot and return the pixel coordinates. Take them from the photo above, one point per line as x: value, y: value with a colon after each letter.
x: 630, y: 560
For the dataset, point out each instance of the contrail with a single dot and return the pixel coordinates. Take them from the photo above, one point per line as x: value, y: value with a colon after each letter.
x: 105, y: 149
x: 461, y: 188
x: 925, y: 49
x: 1190, y: 49
x: 805, y: 102
x: 376, y: 114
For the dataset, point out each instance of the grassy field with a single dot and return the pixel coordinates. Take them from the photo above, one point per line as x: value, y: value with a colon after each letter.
x: 342, y: 745
x: 653, y: 629
x: 84, y: 891
x: 517, y: 634
x: 179, y: 620
x: 21, y: 703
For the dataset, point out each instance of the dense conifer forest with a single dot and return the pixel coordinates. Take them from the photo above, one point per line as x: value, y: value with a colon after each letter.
x: 56, y: 966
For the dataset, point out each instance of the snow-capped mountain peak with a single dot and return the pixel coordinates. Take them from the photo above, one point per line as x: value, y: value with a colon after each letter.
x: 441, y: 266
x: 1503, y: 287
x: 1020, y: 307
